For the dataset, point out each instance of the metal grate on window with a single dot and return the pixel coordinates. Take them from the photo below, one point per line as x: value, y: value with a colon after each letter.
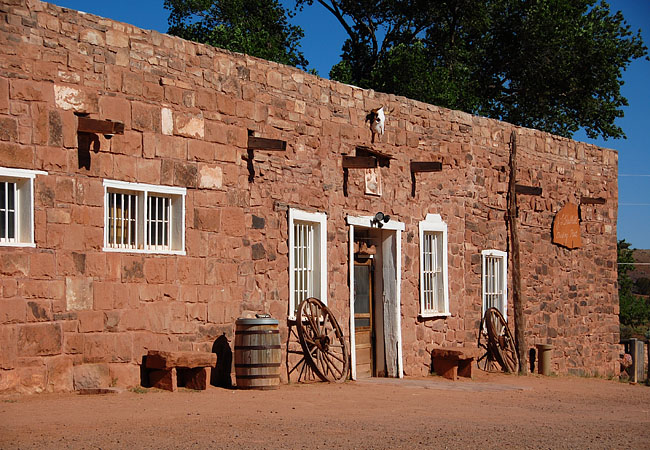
x: 304, y: 261
x: 122, y: 220
x: 158, y: 222
x: 7, y: 211
x: 492, y: 269
x: 432, y: 276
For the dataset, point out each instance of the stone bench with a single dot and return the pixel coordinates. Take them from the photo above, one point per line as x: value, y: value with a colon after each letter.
x: 168, y: 370
x: 453, y: 362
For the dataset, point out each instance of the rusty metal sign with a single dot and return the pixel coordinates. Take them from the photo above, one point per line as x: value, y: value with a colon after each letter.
x: 566, y: 227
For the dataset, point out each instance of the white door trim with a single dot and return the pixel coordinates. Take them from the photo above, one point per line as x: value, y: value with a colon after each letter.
x: 392, y: 225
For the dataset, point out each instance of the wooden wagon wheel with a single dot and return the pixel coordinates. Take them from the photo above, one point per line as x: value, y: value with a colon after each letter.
x: 486, y: 361
x: 501, y: 343
x: 323, y: 344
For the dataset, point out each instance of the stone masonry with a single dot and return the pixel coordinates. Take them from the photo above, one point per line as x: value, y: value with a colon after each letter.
x: 74, y: 316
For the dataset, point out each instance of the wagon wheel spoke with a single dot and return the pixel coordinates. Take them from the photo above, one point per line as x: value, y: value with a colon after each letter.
x: 500, y: 342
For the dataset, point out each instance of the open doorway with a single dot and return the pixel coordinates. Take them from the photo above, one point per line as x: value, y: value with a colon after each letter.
x: 375, y: 273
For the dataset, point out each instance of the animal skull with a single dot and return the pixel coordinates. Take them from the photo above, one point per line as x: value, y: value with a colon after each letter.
x: 377, y: 120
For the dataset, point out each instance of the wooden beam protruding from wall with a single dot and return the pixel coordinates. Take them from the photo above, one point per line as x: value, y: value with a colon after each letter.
x: 99, y: 126
x: 359, y: 162
x: 423, y: 167
x: 592, y: 201
x: 266, y: 144
x: 262, y: 144
x: 528, y: 190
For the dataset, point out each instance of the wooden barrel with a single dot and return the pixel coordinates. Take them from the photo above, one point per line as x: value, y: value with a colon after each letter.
x: 257, y: 353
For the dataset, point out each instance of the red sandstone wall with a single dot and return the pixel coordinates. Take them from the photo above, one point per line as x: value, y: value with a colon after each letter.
x: 72, y: 315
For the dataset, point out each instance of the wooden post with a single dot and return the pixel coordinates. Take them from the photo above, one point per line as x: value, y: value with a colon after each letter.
x: 514, y: 253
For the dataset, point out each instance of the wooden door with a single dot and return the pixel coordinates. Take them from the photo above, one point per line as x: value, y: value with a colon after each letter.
x: 363, y: 323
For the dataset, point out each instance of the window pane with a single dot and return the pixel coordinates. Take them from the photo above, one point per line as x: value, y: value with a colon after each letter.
x: 122, y: 213
x: 7, y: 211
x: 158, y: 222
x: 305, y: 283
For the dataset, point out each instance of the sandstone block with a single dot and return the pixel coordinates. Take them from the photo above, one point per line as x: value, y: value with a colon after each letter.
x: 15, y: 155
x: 200, y: 150
x: 8, y: 334
x: 163, y: 379
x: 78, y: 293
x: 41, y: 339
x: 185, y: 174
x: 210, y: 177
x: 28, y: 90
x: 89, y: 376
x: 91, y: 36
x: 12, y: 264
x: 8, y: 129
x: 167, y: 123
x: 60, y: 376
x: 116, y: 38
x: 197, y: 378
x: 70, y: 98
x: 189, y: 125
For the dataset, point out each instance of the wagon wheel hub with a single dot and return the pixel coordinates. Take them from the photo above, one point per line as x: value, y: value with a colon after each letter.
x: 323, y: 343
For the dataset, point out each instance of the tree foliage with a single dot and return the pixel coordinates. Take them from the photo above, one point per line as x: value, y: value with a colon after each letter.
x: 255, y: 27
x: 634, y: 311
x: 554, y: 65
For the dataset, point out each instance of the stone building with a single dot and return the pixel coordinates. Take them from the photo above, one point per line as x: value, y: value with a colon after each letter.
x: 160, y: 237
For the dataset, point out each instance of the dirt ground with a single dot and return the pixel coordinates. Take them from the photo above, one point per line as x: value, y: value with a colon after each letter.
x: 491, y: 411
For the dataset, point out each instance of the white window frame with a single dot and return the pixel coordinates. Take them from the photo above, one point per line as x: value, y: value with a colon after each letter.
x: 433, y: 223
x: 143, y: 192
x: 318, y: 220
x: 486, y: 283
x: 23, y: 205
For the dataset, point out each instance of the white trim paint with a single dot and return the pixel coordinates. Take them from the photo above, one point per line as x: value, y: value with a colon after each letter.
x: 175, y: 191
x: 434, y: 223
x: 22, y: 176
x: 504, y: 277
x: 319, y: 219
x: 397, y: 227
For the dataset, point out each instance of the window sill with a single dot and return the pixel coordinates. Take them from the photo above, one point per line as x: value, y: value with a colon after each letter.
x: 17, y: 244
x: 433, y: 315
x: 146, y: 252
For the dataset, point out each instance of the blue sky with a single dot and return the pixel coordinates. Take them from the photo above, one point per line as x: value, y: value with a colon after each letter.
x: 322, y: 47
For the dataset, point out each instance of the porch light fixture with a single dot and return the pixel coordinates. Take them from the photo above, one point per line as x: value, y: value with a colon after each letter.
x: 381, y: 217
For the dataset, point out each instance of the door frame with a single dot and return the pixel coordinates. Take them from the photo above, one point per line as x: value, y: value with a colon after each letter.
x: 396, y: 227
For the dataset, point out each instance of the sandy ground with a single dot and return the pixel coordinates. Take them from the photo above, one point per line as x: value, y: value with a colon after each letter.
x: 491, y: 411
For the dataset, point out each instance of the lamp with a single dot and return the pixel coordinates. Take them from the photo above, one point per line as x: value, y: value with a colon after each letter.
x: 381, y: 217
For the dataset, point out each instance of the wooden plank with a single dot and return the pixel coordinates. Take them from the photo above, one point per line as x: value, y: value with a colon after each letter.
x: 511, y: 216
x: 359, y: 162
x: 528, y: 190
x: 592, y: 201
x: 390, y: 305
x: 425, y: 166
x: 260, y: 143
x: 88, y: 125
x: 362, y: 150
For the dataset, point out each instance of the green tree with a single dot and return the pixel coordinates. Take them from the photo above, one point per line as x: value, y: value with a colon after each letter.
x: 256, y: 27
x: 634, y: 311
x: 554, y: 65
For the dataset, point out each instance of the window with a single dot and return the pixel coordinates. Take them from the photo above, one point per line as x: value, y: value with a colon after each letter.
x: 434, y: 297
x: 495, y: 280
x: 144, y: 218
x: 307, y: 257
x: 17, y: 206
